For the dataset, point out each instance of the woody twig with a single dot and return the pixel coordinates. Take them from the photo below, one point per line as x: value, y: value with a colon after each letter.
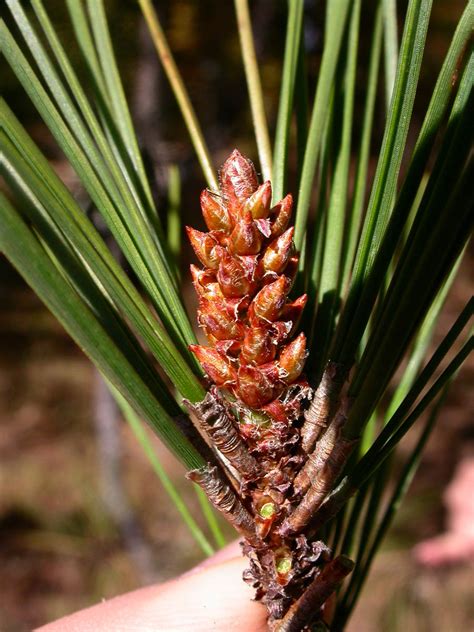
x: 324, y: 404
x: 306, y: 609
x: 284, y: 459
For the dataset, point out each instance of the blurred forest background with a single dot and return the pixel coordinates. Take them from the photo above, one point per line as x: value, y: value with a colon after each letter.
x: 81, y: 515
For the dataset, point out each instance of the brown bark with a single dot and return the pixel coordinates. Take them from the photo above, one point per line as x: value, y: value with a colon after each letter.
x: 330, y: 459
x: 225, y: 500
x: 324, y: 404
x: 303, y: 611
x: 217, y: 423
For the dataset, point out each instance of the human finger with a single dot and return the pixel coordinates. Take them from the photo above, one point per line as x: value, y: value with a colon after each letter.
x: 212, y: 599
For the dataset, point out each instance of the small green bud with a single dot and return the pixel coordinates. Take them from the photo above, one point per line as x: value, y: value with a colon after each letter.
x: 283, y: 565
x: 267, y: 510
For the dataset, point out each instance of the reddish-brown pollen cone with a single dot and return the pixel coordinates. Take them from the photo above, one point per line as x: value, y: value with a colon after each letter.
x: 215, y: 214
x: 258, y: 346
x: 219, y: 370
x: 292, y: 312
x: 258, y: 205
x: 216, y: 321
x: 232, y: 276
x: 246, y: 238
x: 292, y: 359
x: 249, y: 266
x: 238, y: 180
x: 257, y: 386
x: 282, y: 215
x: 201, y: 278
x: 269, y: 302
x: 277, y: 254
x: 204, y: 245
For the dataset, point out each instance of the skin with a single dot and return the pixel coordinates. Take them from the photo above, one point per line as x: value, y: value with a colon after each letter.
x: 210, y: 597
x: 456, y: 545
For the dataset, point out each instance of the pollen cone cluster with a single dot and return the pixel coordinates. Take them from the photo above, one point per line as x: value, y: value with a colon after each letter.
x: 253, y: 410
x: 249, y: 267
